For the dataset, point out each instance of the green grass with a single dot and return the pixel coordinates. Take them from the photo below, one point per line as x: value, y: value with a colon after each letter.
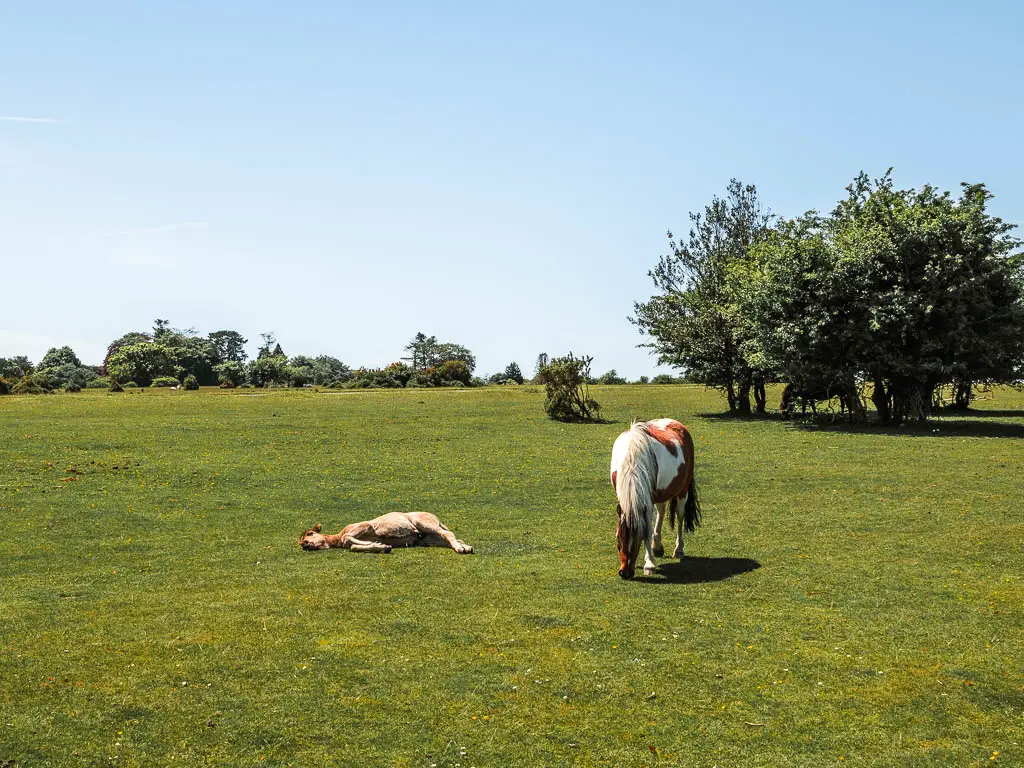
x: 854, y: 597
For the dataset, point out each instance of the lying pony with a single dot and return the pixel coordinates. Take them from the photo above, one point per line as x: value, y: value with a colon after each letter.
x: 395, y: 529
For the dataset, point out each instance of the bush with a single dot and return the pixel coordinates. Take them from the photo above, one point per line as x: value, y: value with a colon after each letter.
x: 568, y: 397
x: 664, y: 378
x: 130, y: 385
x: 227, y: 384
x: 5, y: 386
x: 101, y: 382
x: 30, y: 385
x: 115, y: 386
x: 191, y: 383
x: 164, y: 381
x: 72, y: 388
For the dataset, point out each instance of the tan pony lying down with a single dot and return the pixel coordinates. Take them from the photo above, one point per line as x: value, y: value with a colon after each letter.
x: 395, y: 529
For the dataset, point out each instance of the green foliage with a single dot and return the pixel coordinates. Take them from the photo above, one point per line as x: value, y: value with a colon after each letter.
x: 165, y: 381
x: 512, y: 373
x: 126, y: 385
x: 693, y: 321
x: 228, y: 346
x: 32, y: 384
x: 231, y: 372
x: 909, y: 289
x: 426, y: 352
x: 142, y: 362
x: 269, y: 370
x: 65, y: 376
x: 100, y: 382
x: 611, y: 377
x: 566, y: 385
x: 58, y: 357
x: 190, y: 383
x: 5, y: 386
x: 327, y: 369
x: 13, y: 368
x: 665, y: 378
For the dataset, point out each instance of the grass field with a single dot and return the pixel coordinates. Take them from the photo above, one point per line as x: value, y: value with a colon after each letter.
x: 854, y: 598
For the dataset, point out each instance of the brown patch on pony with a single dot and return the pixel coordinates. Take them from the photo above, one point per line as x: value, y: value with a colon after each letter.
x: 671, y: 436
x: 615, y: 476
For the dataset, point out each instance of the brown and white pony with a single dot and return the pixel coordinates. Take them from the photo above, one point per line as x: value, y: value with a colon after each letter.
x: 652, y: 465
x: 395, y: 529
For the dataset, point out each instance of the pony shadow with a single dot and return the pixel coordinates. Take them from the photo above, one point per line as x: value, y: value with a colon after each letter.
x: 700, y: 570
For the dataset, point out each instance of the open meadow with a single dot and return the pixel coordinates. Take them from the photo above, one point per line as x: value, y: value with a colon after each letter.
x: 855, y: 596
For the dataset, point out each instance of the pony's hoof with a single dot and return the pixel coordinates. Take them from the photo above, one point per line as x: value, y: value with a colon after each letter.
x: 465, y: 549
x: 387, y: 549
x: 678, y: 554
x: 659, y: 551
x: 650, y: 571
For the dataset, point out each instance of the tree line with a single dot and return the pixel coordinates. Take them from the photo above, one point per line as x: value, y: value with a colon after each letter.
x: 905, y: 298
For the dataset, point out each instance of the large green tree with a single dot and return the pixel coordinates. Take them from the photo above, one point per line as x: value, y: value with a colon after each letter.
x: 692, y: 321
x: 908, y: 289
x: 229, y: 345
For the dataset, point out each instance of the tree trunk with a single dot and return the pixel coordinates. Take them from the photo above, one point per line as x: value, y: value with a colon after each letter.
x: 881, y: 400
x: 962, y: 396
x: 730, y: 392
x: 743, y: 399
x: 760, y: 398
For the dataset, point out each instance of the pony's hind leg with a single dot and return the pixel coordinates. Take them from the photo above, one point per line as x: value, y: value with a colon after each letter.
x: 659, y: 547
x: 678, y: 553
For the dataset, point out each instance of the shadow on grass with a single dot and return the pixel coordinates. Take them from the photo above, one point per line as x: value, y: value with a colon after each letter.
x: 700, y: 570
x: 969, y: 424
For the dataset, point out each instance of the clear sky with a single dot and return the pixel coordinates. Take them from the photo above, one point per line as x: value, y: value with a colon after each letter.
x: 500, y: 175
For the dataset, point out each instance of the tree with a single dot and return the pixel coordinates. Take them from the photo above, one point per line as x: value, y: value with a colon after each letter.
x: 447, y: 352
x: 269, y: 369
x: 542, y: 361
x: 189, y: 354
x: 693, y: 321
x: 512, y: 373
x: 329, y: 370
x: 229, y: 345
x: 269, y: 339
x: 140, y: 363
x: 56, y: 357
x: 907, y: 288
x: 160, y: 327
x: 230, y: 373
x: 12, y: 368
x: 422, y: 351
x: 611, y: 377
x: 565, y: 380
x: 133, y: 337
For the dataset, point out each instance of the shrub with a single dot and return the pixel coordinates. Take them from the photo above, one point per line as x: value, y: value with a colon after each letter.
x: 5, y: 386
x: 164, y: 381
x: 72, y: 388
x: 130, y: 385
x: 191, y: 383
x: 227, y: 384
x: 30, y: 385
x: 568, y: 396
x: 115, y: 386
x: 101, y: 382
x: 664, y: 378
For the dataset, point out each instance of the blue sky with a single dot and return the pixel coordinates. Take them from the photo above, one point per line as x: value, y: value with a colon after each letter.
x: 497, y: 175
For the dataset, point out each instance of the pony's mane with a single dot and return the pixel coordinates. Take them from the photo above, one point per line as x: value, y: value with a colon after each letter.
x: 637, y: 477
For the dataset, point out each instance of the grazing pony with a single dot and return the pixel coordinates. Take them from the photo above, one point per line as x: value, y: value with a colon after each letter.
x: 395, y: 529
x: 811, y: 394
x: 652, y: 465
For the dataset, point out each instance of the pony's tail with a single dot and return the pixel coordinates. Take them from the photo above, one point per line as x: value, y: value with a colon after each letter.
x: 673, y: 512
x: 691, y: 511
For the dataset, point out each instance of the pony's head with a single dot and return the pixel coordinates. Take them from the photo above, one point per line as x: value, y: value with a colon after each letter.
x: 313, y: 539
x: 629, y: 540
